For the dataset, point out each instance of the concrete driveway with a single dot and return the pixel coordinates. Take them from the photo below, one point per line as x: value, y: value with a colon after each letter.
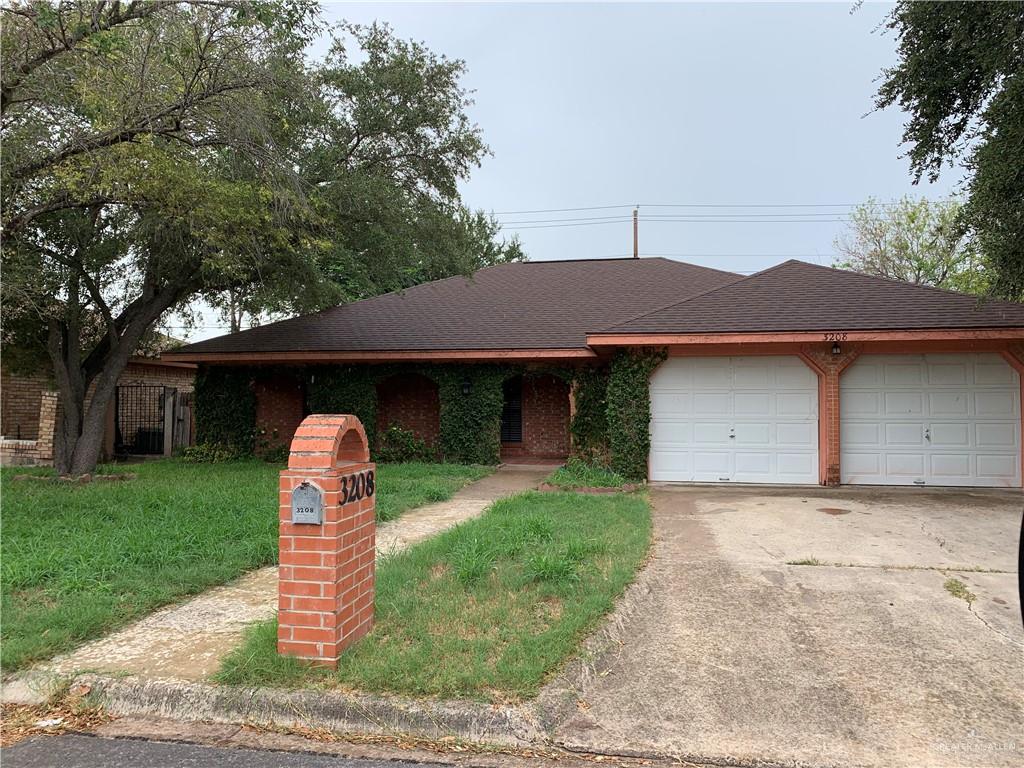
x: 726, y: 649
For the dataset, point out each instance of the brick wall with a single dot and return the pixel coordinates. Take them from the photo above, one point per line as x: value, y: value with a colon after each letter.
x: 280, y: 406
x: 545, y: 419
x: 412, y: 402
x: 20, y: 395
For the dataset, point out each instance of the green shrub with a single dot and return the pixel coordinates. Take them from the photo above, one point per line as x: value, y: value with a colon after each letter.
x: 399, y: 445
x: 346, y: 389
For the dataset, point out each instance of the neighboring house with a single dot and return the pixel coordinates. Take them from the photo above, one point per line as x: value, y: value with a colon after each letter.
x: 151, y: 394
x: 797, y: 374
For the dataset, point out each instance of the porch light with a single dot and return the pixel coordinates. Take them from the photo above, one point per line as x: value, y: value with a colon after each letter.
x: 467, y: 386
x: 836, y: 349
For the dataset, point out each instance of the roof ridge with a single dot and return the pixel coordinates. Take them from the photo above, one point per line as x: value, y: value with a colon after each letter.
x: 740, y: 279
x: 980, y: 297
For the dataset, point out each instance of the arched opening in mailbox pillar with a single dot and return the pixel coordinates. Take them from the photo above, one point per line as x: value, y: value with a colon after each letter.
x: 327, y: 540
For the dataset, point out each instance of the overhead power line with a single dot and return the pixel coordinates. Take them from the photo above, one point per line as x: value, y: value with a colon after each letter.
x: 687, y: 205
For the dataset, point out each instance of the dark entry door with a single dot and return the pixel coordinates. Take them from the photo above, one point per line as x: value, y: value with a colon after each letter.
x: 139, y: 421
x: 512, y: 411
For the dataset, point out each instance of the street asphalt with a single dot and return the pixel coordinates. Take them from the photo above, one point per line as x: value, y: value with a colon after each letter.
x: 95, y: 752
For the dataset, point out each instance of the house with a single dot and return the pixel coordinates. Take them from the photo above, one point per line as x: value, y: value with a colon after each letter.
x: 151, y: 394
x: 797, y: 374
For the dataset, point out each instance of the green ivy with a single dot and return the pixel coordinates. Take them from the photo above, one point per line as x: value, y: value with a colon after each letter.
x: 470, y: 423
x: 629, y: 411
x: 589, y: 426
x: 347, y: 389
x: 225, y: 409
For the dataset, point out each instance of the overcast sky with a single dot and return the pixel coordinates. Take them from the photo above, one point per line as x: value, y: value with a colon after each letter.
x: 723, y: 105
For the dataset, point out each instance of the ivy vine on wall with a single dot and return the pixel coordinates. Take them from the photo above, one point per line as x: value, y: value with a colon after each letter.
x: 629, y: 410
x: 589, y: 427
x: 347, y: 389
x: 225, y: 409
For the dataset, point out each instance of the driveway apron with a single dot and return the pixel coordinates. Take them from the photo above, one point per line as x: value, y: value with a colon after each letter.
x: 723, y: 651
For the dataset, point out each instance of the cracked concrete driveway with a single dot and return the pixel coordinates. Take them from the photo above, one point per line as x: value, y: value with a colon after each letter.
x: 726, y: 649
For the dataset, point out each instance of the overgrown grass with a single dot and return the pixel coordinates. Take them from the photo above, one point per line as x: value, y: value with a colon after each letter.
x: 580, y: 474
x: 81, y: 560
x: 486, y: 610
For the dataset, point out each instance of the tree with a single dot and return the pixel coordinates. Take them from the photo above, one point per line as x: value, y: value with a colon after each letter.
x: 960, y: 77
x: 159, y: 151
x: 916, y: 241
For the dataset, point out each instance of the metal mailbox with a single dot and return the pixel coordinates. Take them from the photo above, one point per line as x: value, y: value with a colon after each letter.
x: 307, y: 505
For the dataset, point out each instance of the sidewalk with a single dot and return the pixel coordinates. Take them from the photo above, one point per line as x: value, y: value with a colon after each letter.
x: 187, y: 641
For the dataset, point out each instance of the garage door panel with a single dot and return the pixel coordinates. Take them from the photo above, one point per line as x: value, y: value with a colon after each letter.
x: 959, y: 425
x: 712, y: 465
x: 995, y: 372
x: 745, y: 413
x: 996, y: 466
x: 860, y: 435
x: 995, y: 404
x: 860, y: 403
x: 950, y: 466
x: 899, y: 434
x: 799, y: 405
x: 752, y: 434
x: 864, y: 374
x: 903, y: 403
x: 862, y: 464
x: 671, y: 464
x: 948, y: 373
x: 994, y: 435
x: 711, y: 433
x: 796, y: 434
x: 905, y: 464
x: 668, y: 432
x: 902, y: 375
x: 949, y: 403
x: 673, y: 403
x: 712, y: 403
x: 953, y: 435
x: 752, y: 403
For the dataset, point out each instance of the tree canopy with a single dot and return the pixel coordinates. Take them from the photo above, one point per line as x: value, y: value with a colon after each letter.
x: 161, y: 150
x: 913, y: 240
x: 960, y: 77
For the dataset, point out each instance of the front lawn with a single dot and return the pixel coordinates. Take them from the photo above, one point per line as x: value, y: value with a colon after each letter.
x: 486, y: 610
x: 81, y: 560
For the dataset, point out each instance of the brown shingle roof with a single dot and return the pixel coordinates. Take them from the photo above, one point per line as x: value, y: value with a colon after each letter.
x: 796, y: 296
x: 531, y: 305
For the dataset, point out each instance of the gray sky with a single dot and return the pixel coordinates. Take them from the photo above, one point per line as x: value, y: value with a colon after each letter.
x: 670, y: 104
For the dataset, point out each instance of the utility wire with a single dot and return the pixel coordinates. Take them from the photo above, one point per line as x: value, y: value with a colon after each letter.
x: 689, y: 205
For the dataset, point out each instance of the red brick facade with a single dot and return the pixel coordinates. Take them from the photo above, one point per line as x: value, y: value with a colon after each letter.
x: 411, y: 402
x: 327, y: 572
x: 280, y: 406
x: 546, y: 408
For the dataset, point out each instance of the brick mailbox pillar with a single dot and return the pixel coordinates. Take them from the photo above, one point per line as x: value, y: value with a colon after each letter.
x: 327, y: 540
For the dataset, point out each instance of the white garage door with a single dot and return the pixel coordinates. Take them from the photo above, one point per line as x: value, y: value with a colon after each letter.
x: 930, y: 420
x: 736, y: 419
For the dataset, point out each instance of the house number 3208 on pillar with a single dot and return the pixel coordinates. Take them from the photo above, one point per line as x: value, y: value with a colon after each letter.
x: 358, y: 486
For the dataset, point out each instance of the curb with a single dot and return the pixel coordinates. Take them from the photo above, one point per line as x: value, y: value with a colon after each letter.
x: 338, y: 712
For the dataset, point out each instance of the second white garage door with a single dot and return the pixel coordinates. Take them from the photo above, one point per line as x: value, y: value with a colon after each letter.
x: 930, y: 420
x: 734, y: 419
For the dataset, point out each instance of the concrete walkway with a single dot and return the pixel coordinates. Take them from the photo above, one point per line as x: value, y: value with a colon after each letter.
x: 187, y: 641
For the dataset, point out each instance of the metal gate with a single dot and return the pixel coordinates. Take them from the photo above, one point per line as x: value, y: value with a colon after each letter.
x: 139, y: 420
